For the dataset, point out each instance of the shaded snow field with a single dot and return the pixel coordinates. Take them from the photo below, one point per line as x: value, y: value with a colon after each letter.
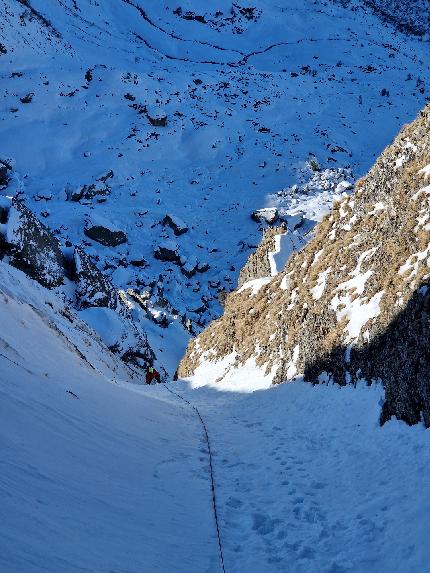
x: 114, y: 477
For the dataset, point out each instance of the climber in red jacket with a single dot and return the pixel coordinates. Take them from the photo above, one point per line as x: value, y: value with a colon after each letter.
x: 152, y: 374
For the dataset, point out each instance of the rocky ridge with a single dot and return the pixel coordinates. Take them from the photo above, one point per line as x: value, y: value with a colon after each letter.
x: 354, y: 303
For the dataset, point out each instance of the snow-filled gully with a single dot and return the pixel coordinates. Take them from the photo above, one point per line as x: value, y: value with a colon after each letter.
x: 211, y: 472
x: 299, y: 491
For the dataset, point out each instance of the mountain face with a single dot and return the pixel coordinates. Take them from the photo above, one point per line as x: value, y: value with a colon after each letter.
x: 354, y: 303
x: 127, y: 115
x: 145, y: 147
x: 145, y: 136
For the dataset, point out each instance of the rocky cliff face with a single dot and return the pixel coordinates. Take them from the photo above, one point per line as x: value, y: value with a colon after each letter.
x: 258, y: 264
x: 355, y: 302
x: 30, y: 246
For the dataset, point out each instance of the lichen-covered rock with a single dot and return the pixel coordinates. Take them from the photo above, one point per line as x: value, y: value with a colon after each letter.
x: 354, y: 303
x: 33, y: 248
x: 92, y: 287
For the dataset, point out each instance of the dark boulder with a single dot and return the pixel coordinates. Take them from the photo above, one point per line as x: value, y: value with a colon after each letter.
x: 105, y: 236
x: 157, y: 119
x: 267, y: 215
x: 5, y: 171
x: 88, y: 193
x: 4, y: 175
x: 175, y: 223
x: 168, y: 252
x: 27, y: 98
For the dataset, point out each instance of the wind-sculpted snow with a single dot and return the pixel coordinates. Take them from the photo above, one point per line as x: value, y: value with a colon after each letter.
x: 137, y: 111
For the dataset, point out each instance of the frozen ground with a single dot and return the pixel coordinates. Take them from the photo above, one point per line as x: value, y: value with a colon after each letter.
x: 102, y: 474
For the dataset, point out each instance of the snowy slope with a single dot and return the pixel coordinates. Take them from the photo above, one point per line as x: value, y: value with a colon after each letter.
x: 100, y: 473
x: 309, y: 483
x: 114, y: 477
x: 97, y: 473
x: 247, y: 97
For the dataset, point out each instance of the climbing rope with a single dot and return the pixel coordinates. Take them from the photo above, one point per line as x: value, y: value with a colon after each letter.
x: 214, y: 504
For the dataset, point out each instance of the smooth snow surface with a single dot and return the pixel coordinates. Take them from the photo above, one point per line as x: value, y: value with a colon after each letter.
x: 224, y: 375
x: 114, y: 479
x: 254, y: 285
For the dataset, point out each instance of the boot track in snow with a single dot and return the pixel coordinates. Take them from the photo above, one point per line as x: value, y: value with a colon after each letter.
x: 214, y: 504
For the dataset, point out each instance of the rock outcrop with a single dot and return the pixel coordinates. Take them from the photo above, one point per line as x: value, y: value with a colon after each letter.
x: 4, y: 174
x: 175, y: 223
x: 168, y: 251
x: 93, y: 289
x: 105, y: 236
x: 354, y: 303
x: 267, y: 215
x: 258, y: 265
x: 32, y: 247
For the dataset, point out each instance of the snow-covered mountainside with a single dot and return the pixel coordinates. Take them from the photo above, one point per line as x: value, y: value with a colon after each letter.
x: 411, y: 16
x: 88, y: 454
x: 353, y: 304
x: 145, y: 148
x: 173, y: 123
